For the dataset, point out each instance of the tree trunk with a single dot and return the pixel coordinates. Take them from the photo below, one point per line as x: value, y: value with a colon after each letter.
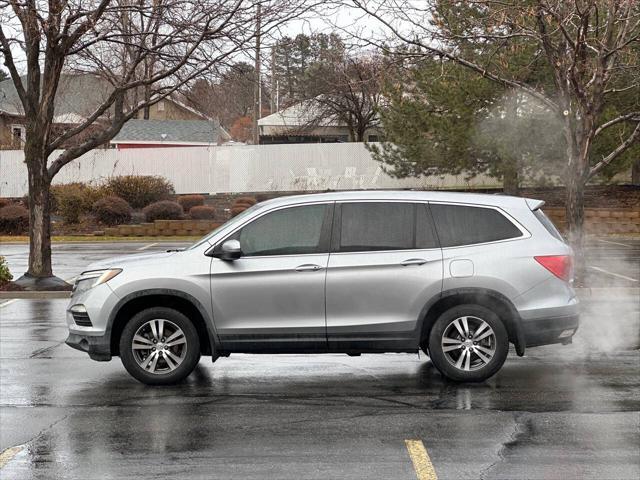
x: 510, y: 180
x: 635, y: 172
x: 574, y: 212
x: 39, y: 221
x: 39, y: 275
x: 146, y: 111
x: 510, y: 162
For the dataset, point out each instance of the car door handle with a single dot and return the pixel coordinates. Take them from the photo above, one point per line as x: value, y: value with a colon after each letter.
x: 308, y: 267
x: 414, y: 261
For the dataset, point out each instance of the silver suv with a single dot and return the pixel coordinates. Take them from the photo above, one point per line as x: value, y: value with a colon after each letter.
x: 457, y: 275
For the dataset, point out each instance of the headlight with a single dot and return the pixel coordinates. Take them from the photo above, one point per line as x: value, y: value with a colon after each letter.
x: 88, y: 280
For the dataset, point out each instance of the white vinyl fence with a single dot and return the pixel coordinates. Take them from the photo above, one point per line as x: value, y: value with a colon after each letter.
x: 227, y: 169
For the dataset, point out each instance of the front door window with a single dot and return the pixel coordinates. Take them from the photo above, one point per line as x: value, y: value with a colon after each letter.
x: 290, y: 231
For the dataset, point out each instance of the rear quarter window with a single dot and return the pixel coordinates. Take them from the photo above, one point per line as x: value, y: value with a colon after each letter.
x: 462, y: 225
x: 548, y: 224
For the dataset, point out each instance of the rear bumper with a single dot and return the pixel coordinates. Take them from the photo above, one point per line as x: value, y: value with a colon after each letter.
x: 547, y: 331
x: 98, y: 348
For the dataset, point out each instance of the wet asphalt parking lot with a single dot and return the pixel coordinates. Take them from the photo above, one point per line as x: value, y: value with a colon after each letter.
x: 569, y: 412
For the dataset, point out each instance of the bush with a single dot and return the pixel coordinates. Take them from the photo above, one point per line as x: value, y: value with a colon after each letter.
x: 5, y: 274
x: 164, y: 210
x: 74, y: 199
x: 140, y: 190
x: 71, y: 206
x: 249, y: 201
x: 187, y: 202
x: 14, y: 220
x: 240, y: 204
x: 5, y: 202
x: 202, y: 212
x: 112, y: 210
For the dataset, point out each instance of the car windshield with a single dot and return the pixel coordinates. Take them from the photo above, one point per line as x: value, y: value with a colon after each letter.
x: 233, y: 221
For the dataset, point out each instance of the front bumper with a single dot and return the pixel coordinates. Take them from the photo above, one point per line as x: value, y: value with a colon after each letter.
x: 547, y: 331
x: 98, y: 348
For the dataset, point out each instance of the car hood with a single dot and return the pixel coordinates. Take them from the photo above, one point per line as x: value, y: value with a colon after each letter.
x: 130, y: 260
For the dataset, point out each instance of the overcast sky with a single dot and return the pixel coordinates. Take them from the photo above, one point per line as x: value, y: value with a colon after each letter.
x: 348, y: 22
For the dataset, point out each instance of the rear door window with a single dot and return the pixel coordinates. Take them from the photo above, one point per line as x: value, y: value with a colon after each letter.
x: 463, y: 225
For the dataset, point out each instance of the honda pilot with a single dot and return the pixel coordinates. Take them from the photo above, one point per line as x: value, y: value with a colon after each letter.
x: 459, y: 276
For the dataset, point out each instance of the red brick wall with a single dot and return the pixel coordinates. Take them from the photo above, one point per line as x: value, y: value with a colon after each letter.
x: 602, y: 220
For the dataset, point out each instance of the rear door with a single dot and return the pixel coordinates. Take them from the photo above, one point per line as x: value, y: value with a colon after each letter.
x: 385, y: 264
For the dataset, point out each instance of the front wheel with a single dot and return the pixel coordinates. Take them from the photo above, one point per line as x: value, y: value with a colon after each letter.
x: 468, y: 343
x: 159, y: 346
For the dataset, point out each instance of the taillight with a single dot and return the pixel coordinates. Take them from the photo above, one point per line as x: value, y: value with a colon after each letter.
x: 560, y: 265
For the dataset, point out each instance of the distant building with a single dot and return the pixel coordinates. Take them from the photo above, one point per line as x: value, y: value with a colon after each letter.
x: 170, y: 108
x: 76, y: 99
x: 170, y: 133
x: 299, y: 124
x: 78, y: 96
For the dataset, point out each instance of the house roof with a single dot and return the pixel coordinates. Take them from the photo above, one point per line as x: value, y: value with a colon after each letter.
x: 77, y: 97
x: 171, y: 131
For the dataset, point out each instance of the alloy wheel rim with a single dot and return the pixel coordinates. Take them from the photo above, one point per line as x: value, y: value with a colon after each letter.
x: 468, y: 343
x: 159, y: 346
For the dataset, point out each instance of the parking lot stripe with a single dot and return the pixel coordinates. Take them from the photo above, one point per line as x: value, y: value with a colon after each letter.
x: 421, y: 461
x: 8, y: 454
x: 148, y: 246
x: 8, y: 302
x: 602, y: 270
x: 613, y: 243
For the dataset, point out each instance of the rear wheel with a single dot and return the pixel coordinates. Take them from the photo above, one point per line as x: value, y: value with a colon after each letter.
x: 159, y: 346
x: 468, y: 343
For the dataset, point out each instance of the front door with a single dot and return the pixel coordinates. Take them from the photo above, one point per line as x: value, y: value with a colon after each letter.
x: 273, y: 297
x: 385, y: 265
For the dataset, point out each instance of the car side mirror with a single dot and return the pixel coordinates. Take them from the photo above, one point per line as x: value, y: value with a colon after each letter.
x: 229, y: 251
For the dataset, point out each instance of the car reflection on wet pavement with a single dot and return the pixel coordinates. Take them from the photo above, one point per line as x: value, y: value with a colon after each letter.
x: 567, y: 412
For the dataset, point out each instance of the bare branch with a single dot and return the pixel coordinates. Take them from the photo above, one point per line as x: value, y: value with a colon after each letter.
x: 441, y: 52
x: 11, y: 65
x: 624, y: 146
x: 633, y: 116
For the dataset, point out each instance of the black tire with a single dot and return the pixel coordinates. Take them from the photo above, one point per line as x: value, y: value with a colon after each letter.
x: 444, y: 362
x: 190, y: 358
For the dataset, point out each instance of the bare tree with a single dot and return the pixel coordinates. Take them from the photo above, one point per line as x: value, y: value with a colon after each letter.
x: 143, y: 49
x: 227, y: 97
x: 589, y: 46
x: 348, y: 91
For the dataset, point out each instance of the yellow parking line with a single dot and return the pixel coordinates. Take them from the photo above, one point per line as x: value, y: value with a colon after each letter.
x: 8, y: 454
x: 421, y: 461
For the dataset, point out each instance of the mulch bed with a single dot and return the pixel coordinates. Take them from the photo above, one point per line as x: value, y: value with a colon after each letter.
x: 10, y: 287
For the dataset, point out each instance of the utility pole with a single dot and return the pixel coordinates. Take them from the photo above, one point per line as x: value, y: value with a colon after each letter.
x: 256, y: 91
x: 273, y: 78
